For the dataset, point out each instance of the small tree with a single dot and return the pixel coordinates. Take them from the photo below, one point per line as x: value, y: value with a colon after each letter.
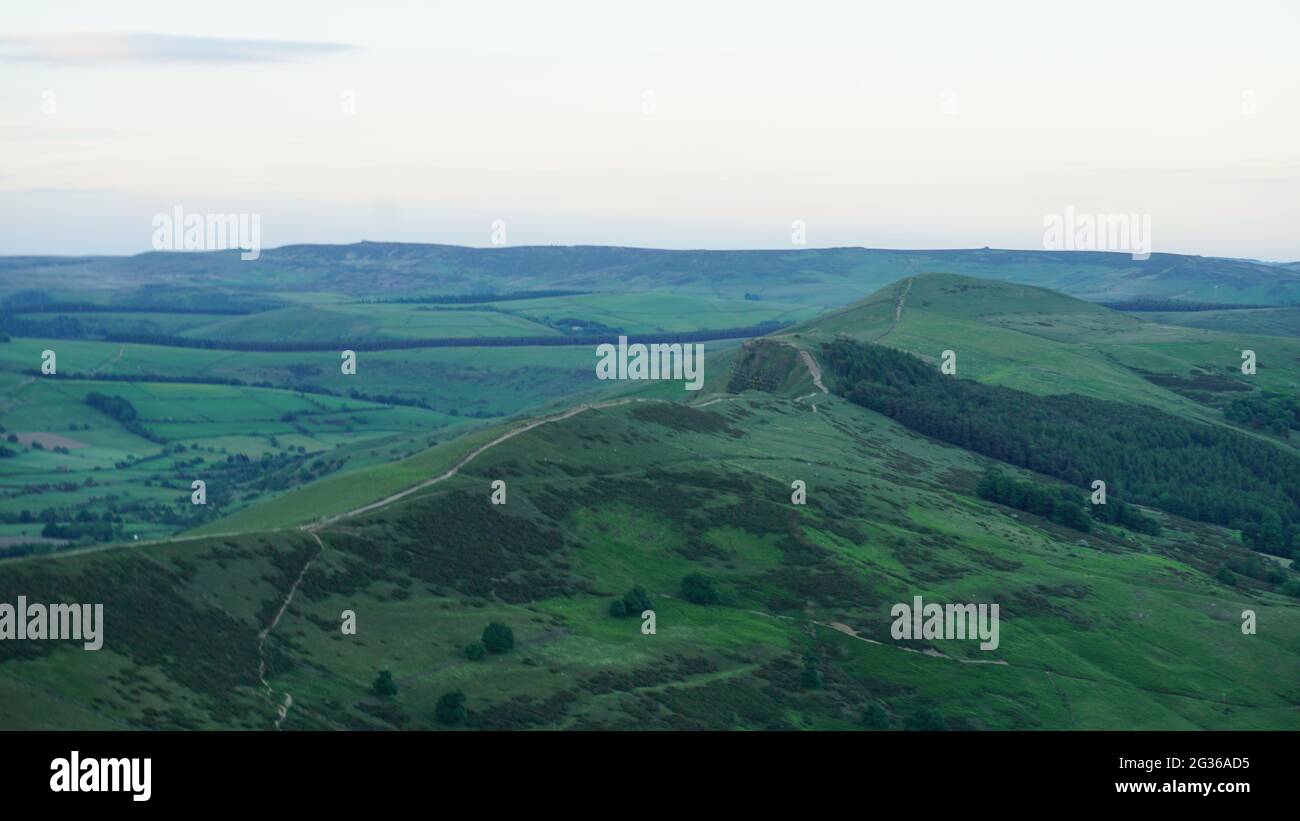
x: 451, y: 708
x: 698, y: 589
x: 637, y: 601
x: 617, y: 609
x: 498, y: 638
x: 475, y: 651
x: 384, y: 686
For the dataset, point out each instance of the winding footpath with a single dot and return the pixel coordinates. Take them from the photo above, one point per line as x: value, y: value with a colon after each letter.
x: 283, y: 709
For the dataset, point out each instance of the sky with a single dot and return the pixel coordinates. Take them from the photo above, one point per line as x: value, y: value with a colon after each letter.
x: 925, y: 124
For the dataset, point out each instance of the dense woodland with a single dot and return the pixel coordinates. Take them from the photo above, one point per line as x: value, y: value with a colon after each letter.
x: 1198, y: 471
x: 1062, y: 505
x: 1273, y: 412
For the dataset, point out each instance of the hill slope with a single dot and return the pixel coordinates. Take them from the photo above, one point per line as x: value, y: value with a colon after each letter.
x: 1112, y: 629
x: 1045, y: 342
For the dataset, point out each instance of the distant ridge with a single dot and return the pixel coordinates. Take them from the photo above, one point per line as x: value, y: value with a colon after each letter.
x: 821, y: 276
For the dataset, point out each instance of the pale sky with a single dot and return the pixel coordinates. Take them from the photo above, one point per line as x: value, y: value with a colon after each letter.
x: 924, y: 124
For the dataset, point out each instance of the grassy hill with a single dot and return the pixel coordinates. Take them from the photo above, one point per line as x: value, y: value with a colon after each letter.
x: 1105, y: 629
x: 1044, y: 342
x: 1110, y: 631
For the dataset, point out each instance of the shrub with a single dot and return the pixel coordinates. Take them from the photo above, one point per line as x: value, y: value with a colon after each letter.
x: 698, y: 589
x: 384, y: 686
x: 637, y: 601
x: 475, y: 651
x: 498, y: 638
x: 634, y: 602
x: 451, y: 708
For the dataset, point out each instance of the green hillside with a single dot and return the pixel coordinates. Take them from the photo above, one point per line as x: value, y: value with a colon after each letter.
x: 1044, y: 342
x: 769, y: 614
x: 1107, y: 631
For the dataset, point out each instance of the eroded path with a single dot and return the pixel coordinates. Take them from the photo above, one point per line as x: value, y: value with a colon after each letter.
x: 814, y: 369
x: 898, y: 311
x: 283, y: 709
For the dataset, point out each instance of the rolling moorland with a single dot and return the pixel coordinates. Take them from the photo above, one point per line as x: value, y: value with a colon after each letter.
x: 769, y: 614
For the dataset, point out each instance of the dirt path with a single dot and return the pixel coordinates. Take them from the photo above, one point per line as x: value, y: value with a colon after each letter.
x: 283, y: 709
x: 465, y: 460
x: 714, y: 401
x: 898, y: 312
x: 814, y: 370
x: 118, y: 358
x: 849, y: 631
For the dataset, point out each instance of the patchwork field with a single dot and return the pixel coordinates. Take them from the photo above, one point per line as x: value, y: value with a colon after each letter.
x: 287, y: 419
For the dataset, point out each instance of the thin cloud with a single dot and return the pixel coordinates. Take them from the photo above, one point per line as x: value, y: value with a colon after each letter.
x: 107, y: 49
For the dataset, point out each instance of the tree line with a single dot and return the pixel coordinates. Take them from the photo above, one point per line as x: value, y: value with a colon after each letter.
x: 382, y: 344
x: 470, y: 299
x: 123, y: 411
x: 1198, y: 471
x: 1062, y: 505
x: 97, y: 308
x: 1272, y: 412
x: 1150, y: 303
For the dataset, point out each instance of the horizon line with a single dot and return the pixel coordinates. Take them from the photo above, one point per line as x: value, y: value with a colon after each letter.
x: 149, y: 252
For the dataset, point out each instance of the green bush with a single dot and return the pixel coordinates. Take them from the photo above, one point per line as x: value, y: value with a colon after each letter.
x: 637, y: 601
x: 451, y: 708
x: 698, y: 589
x: 634, y: 602
x: 498, y: 638
x: 475, y: 651
x: 384, y: 686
